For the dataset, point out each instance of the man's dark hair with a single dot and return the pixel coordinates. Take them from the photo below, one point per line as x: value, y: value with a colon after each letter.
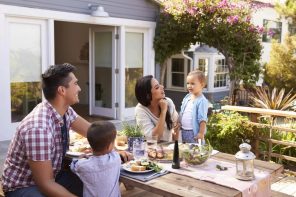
x: 100, y: 135
x: 144, y: 96
x: 55, y: 76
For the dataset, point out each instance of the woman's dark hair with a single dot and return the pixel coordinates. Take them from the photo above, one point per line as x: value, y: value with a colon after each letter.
x: 55, y: 76
x: 144, y: 96
x: 143, y: 90
x: 100, y: 135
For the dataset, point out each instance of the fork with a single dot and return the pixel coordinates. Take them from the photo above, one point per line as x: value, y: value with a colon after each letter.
x: 156, y: 173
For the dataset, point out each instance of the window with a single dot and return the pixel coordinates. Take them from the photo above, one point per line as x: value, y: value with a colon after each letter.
x: 292, y: 29
x: 177, y: 71
x: 25, y: 62
x: 203, y: 65
x: 273, y: 30
x: 221, y: 74
x: 134, y: 59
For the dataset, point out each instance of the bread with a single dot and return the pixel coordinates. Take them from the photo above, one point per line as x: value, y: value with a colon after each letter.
x: 138, y: 162
x: 121, y: 138
x: 160, y: 155
x: 138, y: 168
x: 152, y: 154
x: 120, y: 143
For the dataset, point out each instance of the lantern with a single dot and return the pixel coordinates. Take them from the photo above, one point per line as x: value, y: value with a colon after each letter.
x: 245, y: 163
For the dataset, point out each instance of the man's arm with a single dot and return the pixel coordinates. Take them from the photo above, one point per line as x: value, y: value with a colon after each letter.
x: 80, y: 125
x: 43, y: 177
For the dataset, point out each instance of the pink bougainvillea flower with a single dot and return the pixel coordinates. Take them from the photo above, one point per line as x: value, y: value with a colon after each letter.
x: 232, y: 19
x: 271, y: 33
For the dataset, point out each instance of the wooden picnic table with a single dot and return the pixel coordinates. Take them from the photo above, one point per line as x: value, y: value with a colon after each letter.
x: 173, y: 184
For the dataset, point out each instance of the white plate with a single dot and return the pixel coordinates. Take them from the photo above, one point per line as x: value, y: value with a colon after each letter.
x: 121, y: 147
x: 127, y: 167
x: 76, y: 154
x: 171, y: 146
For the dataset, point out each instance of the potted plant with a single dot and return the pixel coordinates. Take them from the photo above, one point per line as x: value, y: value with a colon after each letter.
x: 132, y: 132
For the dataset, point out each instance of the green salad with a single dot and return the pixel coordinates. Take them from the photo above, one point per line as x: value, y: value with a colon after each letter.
x: 151, y: 165
x: 196, y: 154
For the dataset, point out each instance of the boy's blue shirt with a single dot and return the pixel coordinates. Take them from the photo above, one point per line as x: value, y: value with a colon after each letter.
x: 199, y: 111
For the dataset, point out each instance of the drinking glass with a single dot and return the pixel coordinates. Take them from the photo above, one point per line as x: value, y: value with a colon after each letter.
x: 152, y: 142
x: 138, y: 149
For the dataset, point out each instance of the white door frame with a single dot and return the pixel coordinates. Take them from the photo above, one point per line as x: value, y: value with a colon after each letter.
x: 148, y: 66
x: 5, y: 115
x: 93, y: 109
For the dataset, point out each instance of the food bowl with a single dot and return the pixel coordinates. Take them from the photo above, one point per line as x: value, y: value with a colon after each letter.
x: 197, y: 154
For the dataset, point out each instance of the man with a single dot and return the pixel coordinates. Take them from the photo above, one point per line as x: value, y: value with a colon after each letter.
x: 33, y: 166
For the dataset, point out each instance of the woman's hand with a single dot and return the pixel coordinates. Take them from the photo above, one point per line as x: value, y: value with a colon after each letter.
x: 163, y: 104
x: 125, y: 156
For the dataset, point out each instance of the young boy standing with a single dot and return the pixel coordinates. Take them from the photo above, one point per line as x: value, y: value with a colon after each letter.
x: 194, y: 109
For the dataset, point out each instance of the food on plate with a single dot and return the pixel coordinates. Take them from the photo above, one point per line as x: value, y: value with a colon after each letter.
x: 159, y: 155
x: 156, y: 153
x: 82, y: 149
x: 143, y: 165
x: 168, y: 154
x: 152, y: 153
x: 135, y: 167
x: 121, y: 138
x: 120, y: 143
x: 75, y: 137
x: 80, y: 146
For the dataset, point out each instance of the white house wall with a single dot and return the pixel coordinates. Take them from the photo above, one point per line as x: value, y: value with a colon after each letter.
x: 269, y: 13
x: 7, y: 128
x: 5, y: 132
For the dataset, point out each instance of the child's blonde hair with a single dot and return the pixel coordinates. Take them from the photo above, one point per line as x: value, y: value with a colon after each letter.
x: 200, y: 75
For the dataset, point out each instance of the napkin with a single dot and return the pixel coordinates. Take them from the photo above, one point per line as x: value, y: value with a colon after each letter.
x: 140, y: 176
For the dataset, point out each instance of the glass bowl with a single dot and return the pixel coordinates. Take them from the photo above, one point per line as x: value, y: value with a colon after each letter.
x: 197, y: 154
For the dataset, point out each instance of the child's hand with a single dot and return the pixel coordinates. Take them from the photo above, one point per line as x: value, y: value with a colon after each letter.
x: 199, y: 136
x: 125, y: 156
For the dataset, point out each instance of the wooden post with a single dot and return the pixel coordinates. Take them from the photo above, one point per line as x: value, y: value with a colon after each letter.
x: 272, y: 119
x: 269, y: 149
x: 254, y: 118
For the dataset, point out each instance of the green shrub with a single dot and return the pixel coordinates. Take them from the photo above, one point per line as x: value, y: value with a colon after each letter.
x: 227, y: 130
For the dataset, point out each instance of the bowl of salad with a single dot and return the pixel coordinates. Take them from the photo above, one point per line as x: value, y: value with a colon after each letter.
x: 197, y: 154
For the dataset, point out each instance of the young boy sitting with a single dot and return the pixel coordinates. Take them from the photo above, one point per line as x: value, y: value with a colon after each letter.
x: 100, y: 172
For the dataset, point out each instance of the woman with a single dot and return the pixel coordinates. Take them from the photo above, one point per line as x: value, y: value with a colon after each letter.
x: 155, y: 112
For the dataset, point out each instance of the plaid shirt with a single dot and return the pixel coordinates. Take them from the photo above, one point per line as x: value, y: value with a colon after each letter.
x: 37, y: 138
